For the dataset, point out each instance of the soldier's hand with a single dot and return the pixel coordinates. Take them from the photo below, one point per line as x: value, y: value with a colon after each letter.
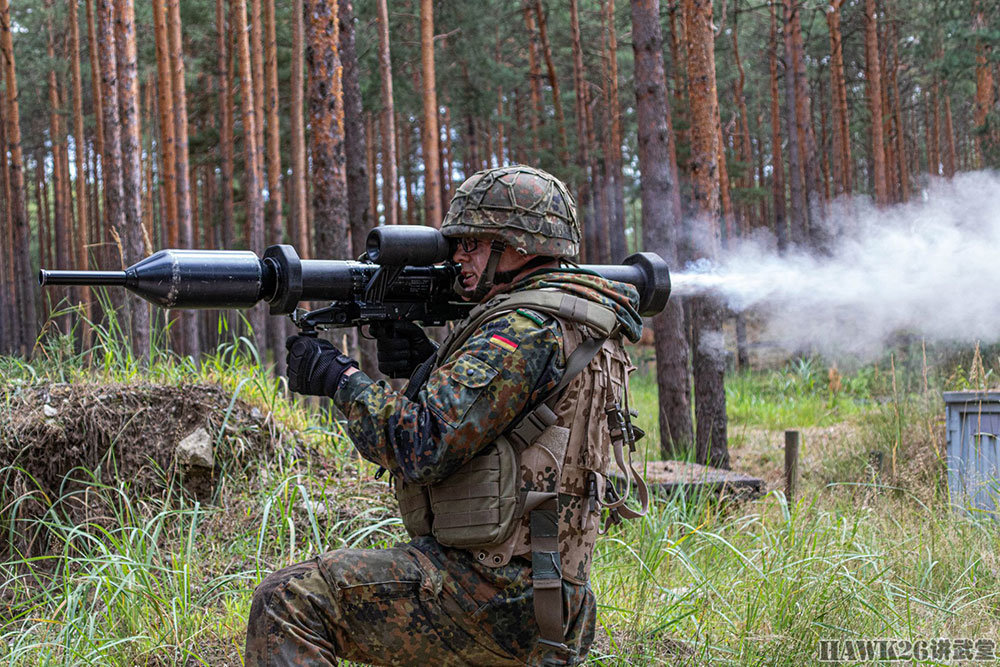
x: 315, y: 366
x: 401, y: 347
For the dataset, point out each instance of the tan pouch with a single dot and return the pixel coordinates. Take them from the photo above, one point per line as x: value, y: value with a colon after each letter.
x: 414, y: 508
x: 476, y: 506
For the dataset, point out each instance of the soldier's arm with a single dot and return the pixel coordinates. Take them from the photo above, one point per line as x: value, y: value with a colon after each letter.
x: 504, y: 368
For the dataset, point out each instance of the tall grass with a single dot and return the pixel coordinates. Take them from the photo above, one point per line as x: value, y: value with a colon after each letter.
x: 104, y: 576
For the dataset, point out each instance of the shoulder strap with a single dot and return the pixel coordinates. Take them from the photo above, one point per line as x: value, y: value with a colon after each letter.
x: 543, y: 415
x: 601, y: 319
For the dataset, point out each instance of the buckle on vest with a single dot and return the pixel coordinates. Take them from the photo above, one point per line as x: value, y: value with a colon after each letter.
x: 558, y: 653
x: 620, y: 426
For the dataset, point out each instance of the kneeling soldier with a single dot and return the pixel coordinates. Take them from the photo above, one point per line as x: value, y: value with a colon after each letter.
x: 500, y: 461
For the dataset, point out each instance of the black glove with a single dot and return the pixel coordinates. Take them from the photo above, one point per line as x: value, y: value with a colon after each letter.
x: 401, y: 347
x: 315, y: 366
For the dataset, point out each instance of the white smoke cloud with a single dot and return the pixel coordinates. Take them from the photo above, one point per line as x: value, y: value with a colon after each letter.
x: 930, y: 267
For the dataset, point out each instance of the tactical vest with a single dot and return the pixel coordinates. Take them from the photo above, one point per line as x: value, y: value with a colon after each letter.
x: 540, y: 487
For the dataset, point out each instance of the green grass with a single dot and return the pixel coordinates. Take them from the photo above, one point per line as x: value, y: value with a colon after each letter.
x: 166, y: 580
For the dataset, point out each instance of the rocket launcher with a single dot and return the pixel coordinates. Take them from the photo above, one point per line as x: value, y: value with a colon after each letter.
x: 406, y: 273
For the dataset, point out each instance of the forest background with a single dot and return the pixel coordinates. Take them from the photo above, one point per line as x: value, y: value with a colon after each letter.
x: 680, y: 126
x: 244, y: 123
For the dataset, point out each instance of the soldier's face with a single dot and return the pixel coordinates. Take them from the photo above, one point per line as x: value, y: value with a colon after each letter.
x: 473, y: 255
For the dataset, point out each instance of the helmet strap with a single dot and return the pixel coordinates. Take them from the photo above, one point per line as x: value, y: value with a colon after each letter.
x: 503, y: 277
x: 485, y: 284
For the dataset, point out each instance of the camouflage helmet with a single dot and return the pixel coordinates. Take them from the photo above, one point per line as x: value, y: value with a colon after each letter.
x: 531, y: 210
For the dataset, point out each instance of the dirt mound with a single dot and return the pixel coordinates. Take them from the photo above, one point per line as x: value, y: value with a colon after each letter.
x: 121, y: 432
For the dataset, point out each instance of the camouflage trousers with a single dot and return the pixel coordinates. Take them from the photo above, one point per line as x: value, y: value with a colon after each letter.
x: 418, y: 603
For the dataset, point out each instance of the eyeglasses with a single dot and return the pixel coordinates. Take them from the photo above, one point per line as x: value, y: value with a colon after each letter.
x: 467, y: 244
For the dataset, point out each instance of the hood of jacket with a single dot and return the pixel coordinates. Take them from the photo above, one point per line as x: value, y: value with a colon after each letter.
x: 621, y: 298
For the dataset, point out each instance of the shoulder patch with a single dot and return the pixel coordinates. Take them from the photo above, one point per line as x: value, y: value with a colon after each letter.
x: 531, y: 315
x: 503, y: 342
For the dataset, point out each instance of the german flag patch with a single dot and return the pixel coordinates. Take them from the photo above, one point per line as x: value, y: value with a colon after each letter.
x: 502, y: 342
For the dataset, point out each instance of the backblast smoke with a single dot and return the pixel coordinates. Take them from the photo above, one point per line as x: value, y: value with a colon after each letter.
x: 929, y: 268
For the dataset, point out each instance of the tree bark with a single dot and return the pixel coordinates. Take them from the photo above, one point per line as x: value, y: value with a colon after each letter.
x: 79, y: 151
x: 708, y: 342
x: 252, y: 176
x: 257, y: 71
x: 326, y: 113
x: 796, y: 168
x: 226, y: 157
x: 95, y: 68
x: 661, y: 222
x: 20, y: 231
x: 60, y: 226
x: 934, y: 133
x: 949, y: 139
x: 903, y: 172
x: 299, y: 195
x: 355, y: 154
x: 873, y: 76
x: 584, y: 211
x: 432, y: 181
x: 537, y: 115
x: 128, y: 101
x: 188, y: 318
x: 842, y: 168
x: 777, y: 159
x: 387, y: 117
x: 984, y: 80
x: 616, y: 201
x: 113, y: 188
x: 553, y: 82
x: 165, y: 91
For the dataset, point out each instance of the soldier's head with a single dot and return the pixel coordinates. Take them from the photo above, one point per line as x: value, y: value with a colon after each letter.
x: 506, y: 221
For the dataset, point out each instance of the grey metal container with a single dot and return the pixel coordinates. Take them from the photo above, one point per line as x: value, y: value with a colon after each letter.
x: 972, y: 422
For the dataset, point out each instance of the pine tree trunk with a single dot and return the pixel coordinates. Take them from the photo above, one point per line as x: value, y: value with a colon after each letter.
x: 111, y: 163
x: 708, y: 342
x: 616, y: 225
x: 949, y: 139
x: 387, y: 117
x: 60, y: 226
x: 11, y: 333
x: 252, y: 176
x: 777, y: 159
x: 95, y: 69
x: 326, y: 114
x: 842, y: 168
x: 582, y: 132
x: 405, y: 156
x: 815, y: 204
x: 188, y: 318
x: 42, y: 204
x: 661, y: 222
x: 165, y: 91
x: 903, y: 172
x: 873, y: 76
x: 535, y: 82
x: 257, y: 71
x: 984, y: 80
x: 299, y: 194
x: 128, y: 101
x: 432, y: 181
x: 796, y: 169
x: 371, y: 161
x: 275, y: 200
x: 934, y: 133
x: 553, y: 82
x: 356, y: 154
x: 19, y: 229
x: 227, y: 153
x: 79, y: 143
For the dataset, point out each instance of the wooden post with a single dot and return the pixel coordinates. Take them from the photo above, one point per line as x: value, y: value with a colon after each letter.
x: 791, y: 464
